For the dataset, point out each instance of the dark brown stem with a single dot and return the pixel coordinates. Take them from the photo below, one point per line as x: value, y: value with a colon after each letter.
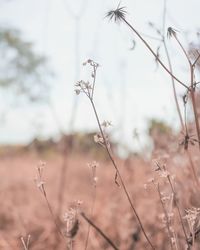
x: 100, y: 231
x: 53, y: 216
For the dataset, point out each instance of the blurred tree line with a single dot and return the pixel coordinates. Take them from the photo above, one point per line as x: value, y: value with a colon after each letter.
x: 22, y: 70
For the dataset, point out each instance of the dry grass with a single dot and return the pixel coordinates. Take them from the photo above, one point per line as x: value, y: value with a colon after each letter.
x: 24, y: 211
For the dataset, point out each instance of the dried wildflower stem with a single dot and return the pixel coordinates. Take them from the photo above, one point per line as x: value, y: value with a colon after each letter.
x: 191, y: 89
x: 171, y: 69
x: 62, y: 181
x: 88, y: 90
x: 183, y: 49
x: 174, y: 91
x: 119, y: 174
x: 154, y: 54
x: 193, y: 236
x: 187, y: 149
x: 177, y: 207
x: 72, y: 224
x: 163, y: 40
x: 41, y: 187
x: 99, y: 231
x: 25, y: 244
x: 192, y: 86
x: 194, y: 105
x: 94, y: 78
x: 178, y: 110
x: 173, y: 85
x: 64, y: 164
x: 53, y: 216
x: 192, y: 167
x: 192, y: 216
x: 88, y: 231
x: 91, y: 214
x: 166, y: 215
x: 194, y: 63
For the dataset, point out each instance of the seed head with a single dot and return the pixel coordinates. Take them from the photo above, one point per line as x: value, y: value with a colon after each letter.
x: 118, y: 14
x: 171, y: 32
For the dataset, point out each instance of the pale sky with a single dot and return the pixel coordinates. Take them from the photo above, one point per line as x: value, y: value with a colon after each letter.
x: 130, y: 89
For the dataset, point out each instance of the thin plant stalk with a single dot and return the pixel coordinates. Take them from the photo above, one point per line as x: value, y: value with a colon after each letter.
x: 179, y: 112
x: 192, y: 86
x: 163, y: 40
x: 25, y: 243
x: 53, y: 216
x: 62, y: 181
x: 178, y: 107
x: 92, y: 211
x: 88, y: 231
x: 88, y: 90
x: 63, y: 170
x: 192, y: 167
x: 194, y: 105
x: 177, y: 207
x: 166, y: 215
x: 154, y: 54
x: 119, y: 175
x: 173, y: 85
x: 167, y: 175
x: 41, y: 186
x: 109, y: 241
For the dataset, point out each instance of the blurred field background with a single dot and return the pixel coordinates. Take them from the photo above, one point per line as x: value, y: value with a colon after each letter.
x: 46, y: 127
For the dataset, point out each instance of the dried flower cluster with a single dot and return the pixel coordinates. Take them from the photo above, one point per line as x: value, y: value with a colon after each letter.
x: 39, y: 178
x: 71, y: 220
x: 86, y: 87
x: 93, y: 166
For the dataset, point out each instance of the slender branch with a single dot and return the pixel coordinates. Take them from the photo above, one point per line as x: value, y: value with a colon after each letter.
x: 154, y: 54
x: 194, y: 105
x: 94, y: 77
x: 151, y: 37
x: 175, y: 94
x: 53, y: 216
x: 99, y: 231
x: 192, y: 167
x: 88, y: 232
x: 177, y: 207
x: 192, y: 88
x: 92, y: 210
x: 170, y: 64
x: 88, y: 90
x: 194, y: 63
x: 119, y: 175
x: 166, y: 215
x: 173, y: 85
x: 183, y: 49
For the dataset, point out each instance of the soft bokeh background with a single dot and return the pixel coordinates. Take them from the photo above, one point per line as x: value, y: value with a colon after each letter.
x: 69, y: 32
x: 43, y: 44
